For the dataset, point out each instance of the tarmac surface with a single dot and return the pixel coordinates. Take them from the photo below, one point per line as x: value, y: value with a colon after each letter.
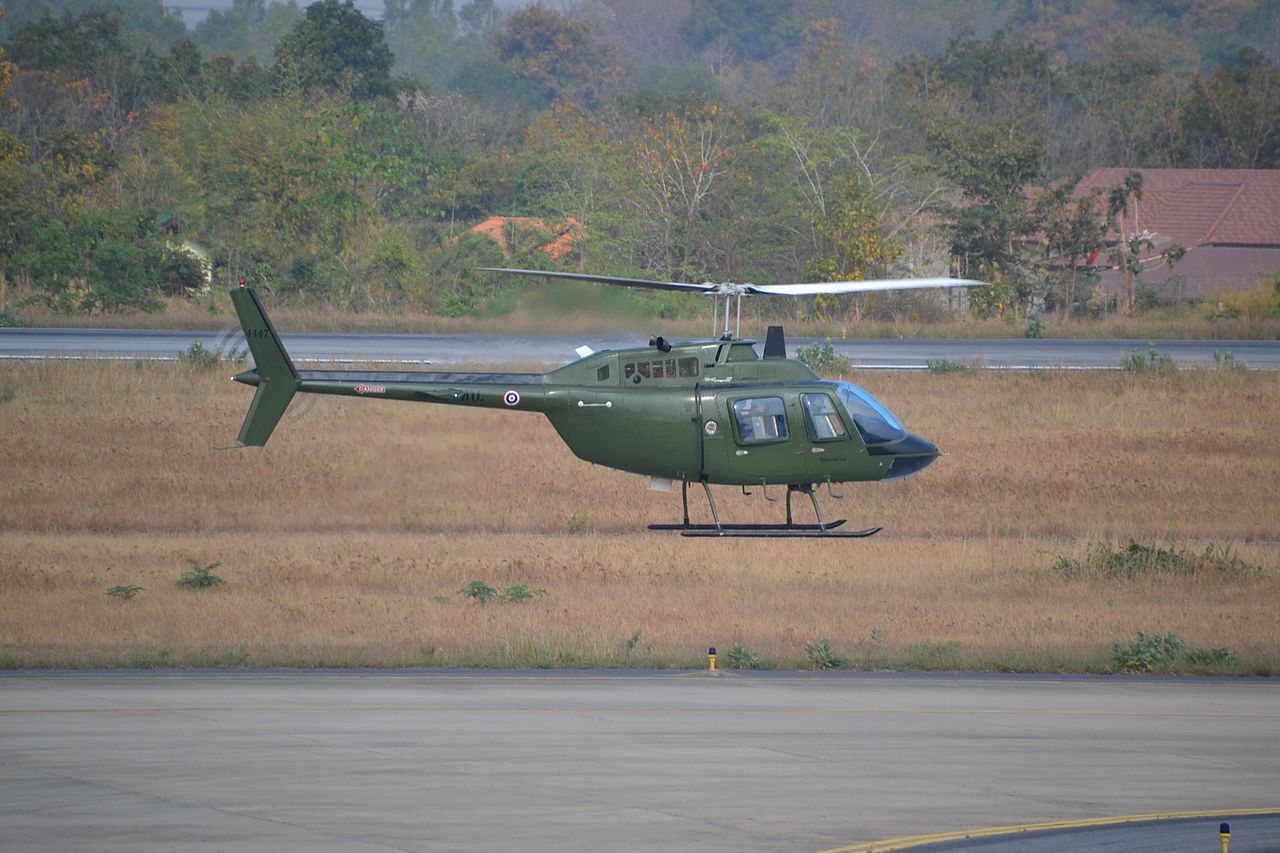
x: 1018, y: 353
x: 626, y: 761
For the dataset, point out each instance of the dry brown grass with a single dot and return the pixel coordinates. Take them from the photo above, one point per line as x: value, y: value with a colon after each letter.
x: 347, y: 539
x: 213, y: 311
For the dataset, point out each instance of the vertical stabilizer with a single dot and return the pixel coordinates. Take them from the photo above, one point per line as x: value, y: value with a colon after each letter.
x: 277, y: 379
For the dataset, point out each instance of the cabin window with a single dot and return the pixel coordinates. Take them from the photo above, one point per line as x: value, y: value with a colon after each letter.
x: 659, y: 372
x: 760, y: 419
x: 602, y: 373
x: 821, y: 418
x: 688, y: 367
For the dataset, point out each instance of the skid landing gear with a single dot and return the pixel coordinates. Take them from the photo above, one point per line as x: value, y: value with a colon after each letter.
x: 790, y: 530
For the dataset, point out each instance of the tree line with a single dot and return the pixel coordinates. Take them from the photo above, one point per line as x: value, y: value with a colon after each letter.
x: 333, y: 158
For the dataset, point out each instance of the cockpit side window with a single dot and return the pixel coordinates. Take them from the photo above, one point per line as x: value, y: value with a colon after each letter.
x: 760, y: 419
x: 821, y: 418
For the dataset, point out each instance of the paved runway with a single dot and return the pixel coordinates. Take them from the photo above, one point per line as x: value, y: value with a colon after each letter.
x: 516, y: 349
x: 474, y: 761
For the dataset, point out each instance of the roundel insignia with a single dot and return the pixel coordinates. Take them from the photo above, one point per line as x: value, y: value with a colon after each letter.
x: 511, y: 397
x: 711, y: 427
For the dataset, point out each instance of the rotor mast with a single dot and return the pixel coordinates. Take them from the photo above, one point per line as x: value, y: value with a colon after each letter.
x: 729, y: 292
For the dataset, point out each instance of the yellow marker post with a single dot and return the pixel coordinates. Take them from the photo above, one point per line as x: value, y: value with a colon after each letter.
x: 1224, y: 832
x: 711, y: 658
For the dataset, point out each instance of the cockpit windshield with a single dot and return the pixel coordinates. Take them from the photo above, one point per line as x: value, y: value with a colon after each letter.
x: 876, y: 423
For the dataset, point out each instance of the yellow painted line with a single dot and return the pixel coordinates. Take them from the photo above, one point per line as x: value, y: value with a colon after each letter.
x: 908, y: 841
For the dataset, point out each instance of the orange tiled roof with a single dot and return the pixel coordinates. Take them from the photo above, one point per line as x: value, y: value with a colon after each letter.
x: 1200, y: 207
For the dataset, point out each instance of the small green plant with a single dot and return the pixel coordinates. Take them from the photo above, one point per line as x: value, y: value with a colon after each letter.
x: 124, y: 591
x: 519, y: 592
x: 1149, y: 652
x: 741, y: 657
x: 871, y: 651
x: 930, y: 655
x: 7, y: 392
x: 632, y: 642
x: 1151, y: 361
x: 478, y: 591
x: 945, y: 365
x: 1135, y: 560
x: 577, y: 523
x: 822, y: 358
x: 1226, y: 361
x: 9, y: 319
x: 146, y: 660
x: 821, y: 655
x: 1035, y: 327
x: 1210, y: 658
x: 200, y: 576
x: 200, y: 356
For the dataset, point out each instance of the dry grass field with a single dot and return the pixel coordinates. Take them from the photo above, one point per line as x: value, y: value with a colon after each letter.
x: 347, y: 540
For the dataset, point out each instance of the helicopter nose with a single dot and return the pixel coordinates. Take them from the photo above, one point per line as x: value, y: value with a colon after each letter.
x: 911, y: 455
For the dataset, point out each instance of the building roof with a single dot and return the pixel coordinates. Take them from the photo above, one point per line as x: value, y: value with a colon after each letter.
x: 1199, y: 207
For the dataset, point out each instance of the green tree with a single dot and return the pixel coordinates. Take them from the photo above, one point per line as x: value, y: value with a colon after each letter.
x: 336, y: 48
x: 557, y: 53
x: 1075, y: 229
x: 682, y: 163
x: 249, y: 29
x: 94, y: 261
x: 1232, y: 118
x: 753, y: 30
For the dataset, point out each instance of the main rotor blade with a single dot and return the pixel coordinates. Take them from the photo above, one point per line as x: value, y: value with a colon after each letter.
x: 609, y: 279
x: 872, y: 286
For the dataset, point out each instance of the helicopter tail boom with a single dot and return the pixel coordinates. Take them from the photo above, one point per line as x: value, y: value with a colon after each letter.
x: 274, y: 373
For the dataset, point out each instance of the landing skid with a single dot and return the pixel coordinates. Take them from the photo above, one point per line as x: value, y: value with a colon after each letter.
x: 831, y: 525
x: 782, y: 532
x: 790, y: 530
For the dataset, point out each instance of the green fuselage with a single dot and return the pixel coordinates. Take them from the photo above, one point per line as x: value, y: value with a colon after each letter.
x: 709, y: 411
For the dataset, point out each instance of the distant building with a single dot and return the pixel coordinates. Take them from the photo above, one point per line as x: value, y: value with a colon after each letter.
x: 1227, y: 220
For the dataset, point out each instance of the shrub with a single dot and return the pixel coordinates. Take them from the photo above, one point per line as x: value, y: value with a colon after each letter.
x: 822, y: 358
x: 741, y: 657
x: 945, y: 365
x: 124, y: 591
x: 871, y: 651
x: 1151, y: 361
x: 1035, y: 327
x: 519, y: 592
x: 1135, y: 560
x: 1210, y: 658
x: 200, y: 356
x: 930, y: 655
x: 1226, y: 361
x: 821, y: 656
x: 200, y: 577
x: 478, y: 591
x: 1149, y: 652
